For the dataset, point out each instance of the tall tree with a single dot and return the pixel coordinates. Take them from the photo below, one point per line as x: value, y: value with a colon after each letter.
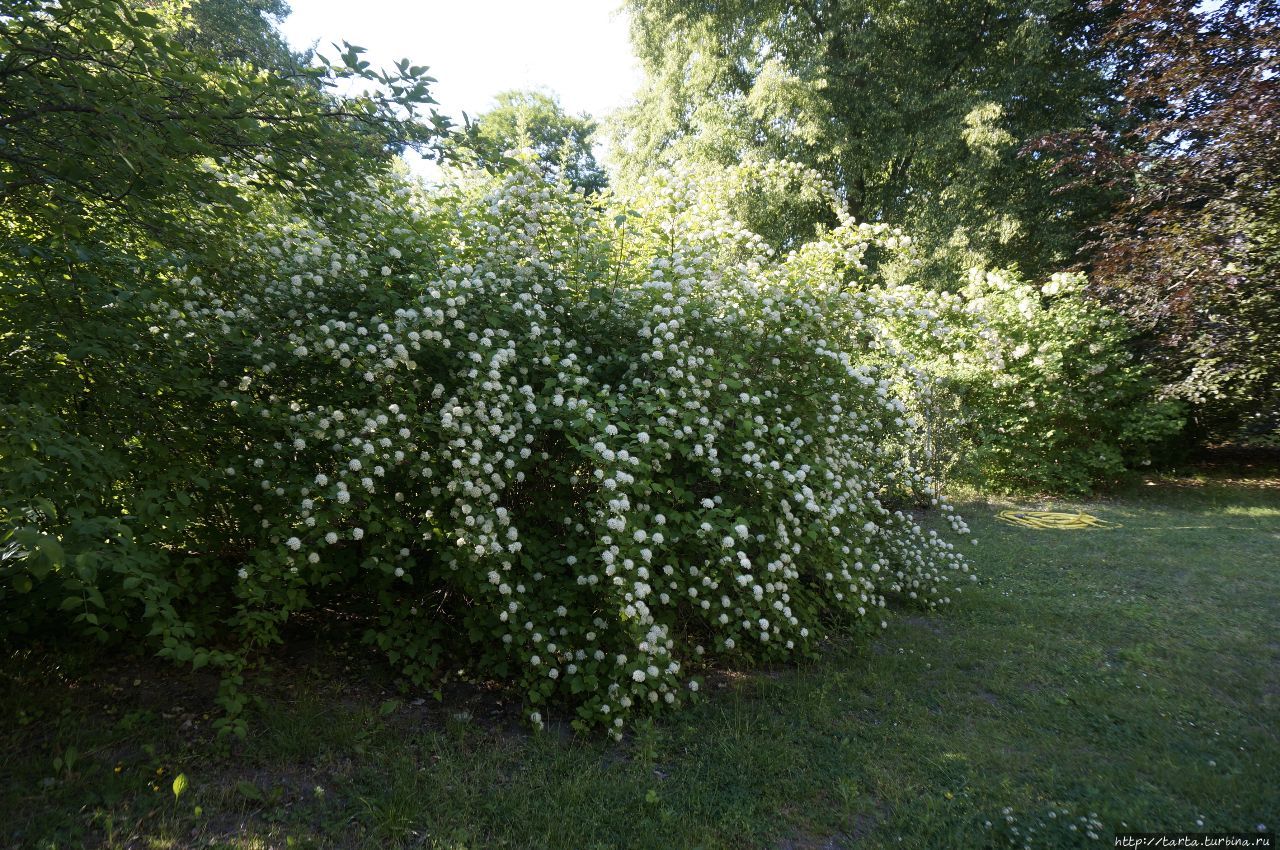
x: 1192, y: 247
x: 241, y: 30
x: 532, y: 119
x: 111, y: 115
x: 914, y: 109
x: 137, y: 155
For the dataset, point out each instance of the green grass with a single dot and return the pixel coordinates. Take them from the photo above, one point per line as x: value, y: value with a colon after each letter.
x: 1129, y: 674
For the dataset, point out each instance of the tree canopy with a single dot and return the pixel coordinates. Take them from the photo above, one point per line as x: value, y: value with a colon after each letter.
x: 915, y: 111
x: 563, y: 143
x: 1191, y: 247
x: 114, y: 113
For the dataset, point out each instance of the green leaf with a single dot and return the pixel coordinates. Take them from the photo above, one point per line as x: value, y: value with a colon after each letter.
x: 179, y: 786
x: 248, y: 790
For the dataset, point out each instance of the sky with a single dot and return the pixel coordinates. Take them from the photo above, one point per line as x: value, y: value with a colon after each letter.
x: 576, y: 49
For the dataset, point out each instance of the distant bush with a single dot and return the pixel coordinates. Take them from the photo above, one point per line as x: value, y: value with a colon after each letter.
x: 573, y: 443
x: 1014, y: 386
x: 1030, y: 387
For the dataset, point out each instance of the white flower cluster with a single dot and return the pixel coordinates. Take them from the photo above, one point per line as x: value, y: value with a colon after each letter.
x: 578, y: 445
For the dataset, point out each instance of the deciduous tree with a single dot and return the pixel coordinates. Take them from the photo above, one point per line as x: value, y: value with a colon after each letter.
x: 532, y: 119
x: 914, y: 110
x: 1192, y: 247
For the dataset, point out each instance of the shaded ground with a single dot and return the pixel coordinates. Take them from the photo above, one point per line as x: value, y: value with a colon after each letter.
x: 1095, y: 681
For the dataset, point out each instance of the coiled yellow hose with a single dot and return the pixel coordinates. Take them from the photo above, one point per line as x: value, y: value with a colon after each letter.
x: 1053, y: 520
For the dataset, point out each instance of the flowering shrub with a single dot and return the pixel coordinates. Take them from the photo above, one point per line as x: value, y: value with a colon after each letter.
x: 574, y: 445
x: 1012, y: 386
x: 1028, y: 387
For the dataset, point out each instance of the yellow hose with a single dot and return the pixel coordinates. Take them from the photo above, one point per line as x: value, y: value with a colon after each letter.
x: 1053, y: 520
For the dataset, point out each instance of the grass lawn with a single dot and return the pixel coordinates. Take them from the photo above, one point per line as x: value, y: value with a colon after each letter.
x: 1128, y: 676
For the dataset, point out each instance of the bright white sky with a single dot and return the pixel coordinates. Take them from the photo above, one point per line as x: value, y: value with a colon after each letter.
x: 577, y: 49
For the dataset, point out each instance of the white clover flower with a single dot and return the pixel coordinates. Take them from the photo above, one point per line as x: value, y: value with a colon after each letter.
x: 357, y: 533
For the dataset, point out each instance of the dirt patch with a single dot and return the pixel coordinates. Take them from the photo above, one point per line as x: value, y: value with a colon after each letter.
x: 864, y: 823
x: 930, y: 624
